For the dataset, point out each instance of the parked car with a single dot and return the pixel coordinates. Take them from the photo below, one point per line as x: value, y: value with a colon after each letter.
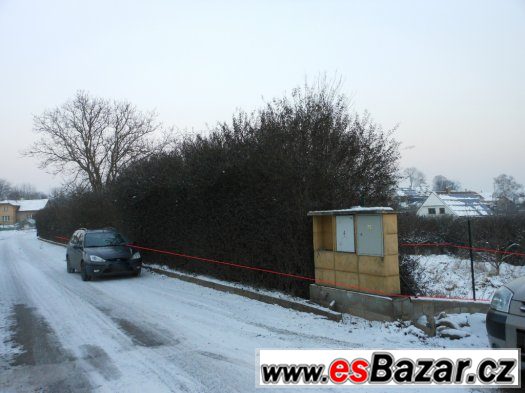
x: 98, y: 252
x: 506, y: 317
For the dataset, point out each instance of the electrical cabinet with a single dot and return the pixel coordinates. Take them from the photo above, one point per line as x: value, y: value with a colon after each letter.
x: 357, y: 249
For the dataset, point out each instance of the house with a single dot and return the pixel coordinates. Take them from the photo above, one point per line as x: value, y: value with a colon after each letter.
x: 503, y: 204
x: 12, y: 212
x: 459, y: 204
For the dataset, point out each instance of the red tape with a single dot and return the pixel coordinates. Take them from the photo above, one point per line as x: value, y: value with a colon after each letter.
x: 288, y: 275
x: 480, y: 249
x: 223, y: 263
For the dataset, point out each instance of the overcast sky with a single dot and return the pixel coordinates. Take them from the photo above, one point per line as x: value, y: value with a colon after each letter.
x: 451, y: 74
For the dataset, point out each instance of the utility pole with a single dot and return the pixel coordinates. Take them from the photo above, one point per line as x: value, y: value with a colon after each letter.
x: 471, y: 258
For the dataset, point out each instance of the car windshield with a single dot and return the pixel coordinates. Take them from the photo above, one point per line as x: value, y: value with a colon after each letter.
x: 103, y: 239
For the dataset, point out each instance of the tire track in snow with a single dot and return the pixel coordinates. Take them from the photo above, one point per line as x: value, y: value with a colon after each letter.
x: 39, y: 348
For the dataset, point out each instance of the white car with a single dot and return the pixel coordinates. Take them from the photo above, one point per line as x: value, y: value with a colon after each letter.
x: 506, y: 318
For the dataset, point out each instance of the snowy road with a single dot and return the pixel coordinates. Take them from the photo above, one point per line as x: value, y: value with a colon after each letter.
x: 152, y: 334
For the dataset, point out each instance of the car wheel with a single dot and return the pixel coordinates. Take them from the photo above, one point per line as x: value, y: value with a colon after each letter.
x: 136, y: 273
x: 69, y: 268
x: 83, y: 273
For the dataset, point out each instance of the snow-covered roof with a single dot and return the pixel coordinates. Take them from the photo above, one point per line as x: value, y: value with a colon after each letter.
x: 412, y: 193
x: 487, y: 196
x: 352, y: 210
x: 27, y: 205
x: 465, y: 204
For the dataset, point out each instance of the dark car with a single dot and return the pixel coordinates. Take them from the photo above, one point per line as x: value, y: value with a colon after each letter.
x: 506, y: 318
x: 98, y: 252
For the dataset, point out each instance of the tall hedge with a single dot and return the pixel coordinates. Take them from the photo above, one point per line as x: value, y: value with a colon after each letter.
x: 242, y: 193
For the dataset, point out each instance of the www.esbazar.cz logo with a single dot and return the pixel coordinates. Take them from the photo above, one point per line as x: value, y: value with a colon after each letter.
x: 452, y: 367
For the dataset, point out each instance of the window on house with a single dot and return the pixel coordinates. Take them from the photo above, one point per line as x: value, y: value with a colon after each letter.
x: 431, y: 210
x: 5, y: 218
x: 441, y: 210
x: 5, y: 208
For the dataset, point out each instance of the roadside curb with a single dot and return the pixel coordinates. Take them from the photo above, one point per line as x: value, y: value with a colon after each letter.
x: 331, y: 315
x: 51, y: 241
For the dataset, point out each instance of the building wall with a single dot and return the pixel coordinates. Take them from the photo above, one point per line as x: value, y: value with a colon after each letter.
x: 7, y: 210
x: 352, y: 271
x: 14, y: 215
x: 22, y: 216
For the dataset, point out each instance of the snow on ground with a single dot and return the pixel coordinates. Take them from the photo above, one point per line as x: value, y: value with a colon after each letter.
x: 474, y: 323
x: 447, y: 275
x: 412, y: 336
x: 269, y: 292
x: 159, y: 334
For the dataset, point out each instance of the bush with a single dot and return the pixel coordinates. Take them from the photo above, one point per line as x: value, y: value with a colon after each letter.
x: 408, y: 277
x: 492, y: 232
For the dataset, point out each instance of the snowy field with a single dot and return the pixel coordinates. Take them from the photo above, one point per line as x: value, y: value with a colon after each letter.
x: 158, y: 334
x: 447, y: 275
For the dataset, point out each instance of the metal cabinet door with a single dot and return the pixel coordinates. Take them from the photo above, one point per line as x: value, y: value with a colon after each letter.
x: 369, y: 235
x: 345, y: 233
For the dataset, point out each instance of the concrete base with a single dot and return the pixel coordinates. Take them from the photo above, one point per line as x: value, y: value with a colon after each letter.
x: 360, y: 304
x: 384, y: 308
x: 419, y: 306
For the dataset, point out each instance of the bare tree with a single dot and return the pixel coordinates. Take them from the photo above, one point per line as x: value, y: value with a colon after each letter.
x: 5, y: 188
x: 22, y: 191
x: 93, y: 139
x: 415, y: 177
x: 441, y: 183
x: 25, y: 191
x: 498, y: 259
x: 506, y: 186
